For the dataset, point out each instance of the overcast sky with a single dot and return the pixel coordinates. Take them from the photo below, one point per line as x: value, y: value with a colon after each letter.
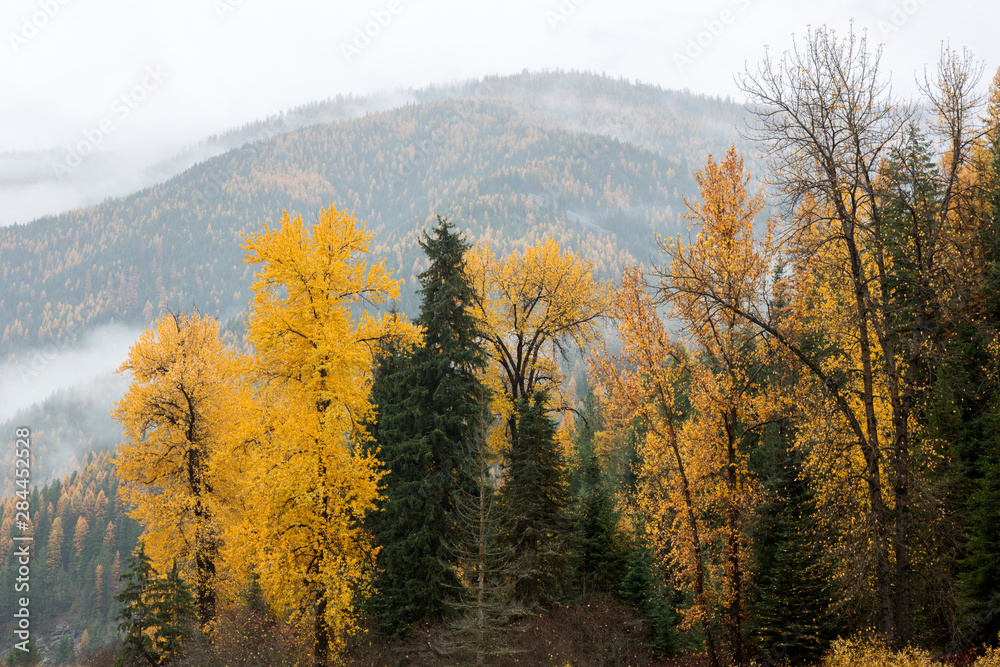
x: 130, y: 82
x: 190, y: 67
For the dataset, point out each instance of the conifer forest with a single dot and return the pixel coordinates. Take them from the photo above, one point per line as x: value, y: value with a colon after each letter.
x: 459, y: 383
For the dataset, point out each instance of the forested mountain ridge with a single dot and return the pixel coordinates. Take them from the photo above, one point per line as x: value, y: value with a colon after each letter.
x: 600, y: 164
x: 82, y: 540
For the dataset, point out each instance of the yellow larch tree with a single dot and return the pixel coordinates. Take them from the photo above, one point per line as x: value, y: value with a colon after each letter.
x: 696, y: 487
x: 54, y: 547
x: 312, y: 485
x: 640, y: 385
x: 80, y: 535
x: 729, y: 394
x: 181, y: 417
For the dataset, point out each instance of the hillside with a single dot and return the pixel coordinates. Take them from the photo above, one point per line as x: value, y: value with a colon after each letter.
x: 82, y: 541
x: 601, y: 164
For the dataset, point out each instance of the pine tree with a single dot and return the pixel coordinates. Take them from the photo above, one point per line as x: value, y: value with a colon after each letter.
x: 535, y: 496
x: 16, y: 656
x: 657, y: 600
x: 64, y: 650
x: 600, y: 554
x: 173, y: 610
x: 428, y: 407
x: 979, y: 413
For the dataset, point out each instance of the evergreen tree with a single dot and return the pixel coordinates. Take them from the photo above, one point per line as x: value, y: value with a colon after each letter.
x: 535, y: 497
x: 657, y: 600
x: 601, y: 559
x: 429, y: 402
x: 156, y: 614
x: 589, y: 422
x: 16, y: 656
x: 136, y: 615
x: 600, y: 556
x: 64, y: 650
x: 792, y: 605
x: 486, y: 568
x: 173, y: 610
x: 979, y: 413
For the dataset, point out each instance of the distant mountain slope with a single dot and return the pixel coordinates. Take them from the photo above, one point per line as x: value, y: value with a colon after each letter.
x: 600, y: 164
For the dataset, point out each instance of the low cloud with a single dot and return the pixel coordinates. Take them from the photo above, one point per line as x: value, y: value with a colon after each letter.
x: 36, y: 374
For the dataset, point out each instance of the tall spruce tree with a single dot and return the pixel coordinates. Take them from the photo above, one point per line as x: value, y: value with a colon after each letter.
x: 980, y: 412
x: 173, y: 614
x: 535, y: 498
x: 429, y: 402
x: 601, y: 557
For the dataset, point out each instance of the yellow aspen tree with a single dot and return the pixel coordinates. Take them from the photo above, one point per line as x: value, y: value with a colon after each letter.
x: 180, y: 416
x: 312, y: 484
x: 830, y: 124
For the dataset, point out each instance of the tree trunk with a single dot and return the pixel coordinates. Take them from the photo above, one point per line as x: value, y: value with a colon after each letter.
x: 869, y: 445
x: 321, y: 649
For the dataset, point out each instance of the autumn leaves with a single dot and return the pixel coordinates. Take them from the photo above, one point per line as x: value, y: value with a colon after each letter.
x: 245, y: 466
x: 763, y: 372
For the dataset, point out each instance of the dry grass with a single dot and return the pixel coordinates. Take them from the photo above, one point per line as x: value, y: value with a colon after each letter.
x: 874, y: 653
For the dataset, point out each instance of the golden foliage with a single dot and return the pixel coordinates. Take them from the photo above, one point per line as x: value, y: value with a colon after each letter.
x: 875, y: 653
x: 694, y: 485
x: 309, y: 486
x: 534, y: 306
x: 182, y: 419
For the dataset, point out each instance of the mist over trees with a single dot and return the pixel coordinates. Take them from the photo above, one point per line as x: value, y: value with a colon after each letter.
x: 786, y: 453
